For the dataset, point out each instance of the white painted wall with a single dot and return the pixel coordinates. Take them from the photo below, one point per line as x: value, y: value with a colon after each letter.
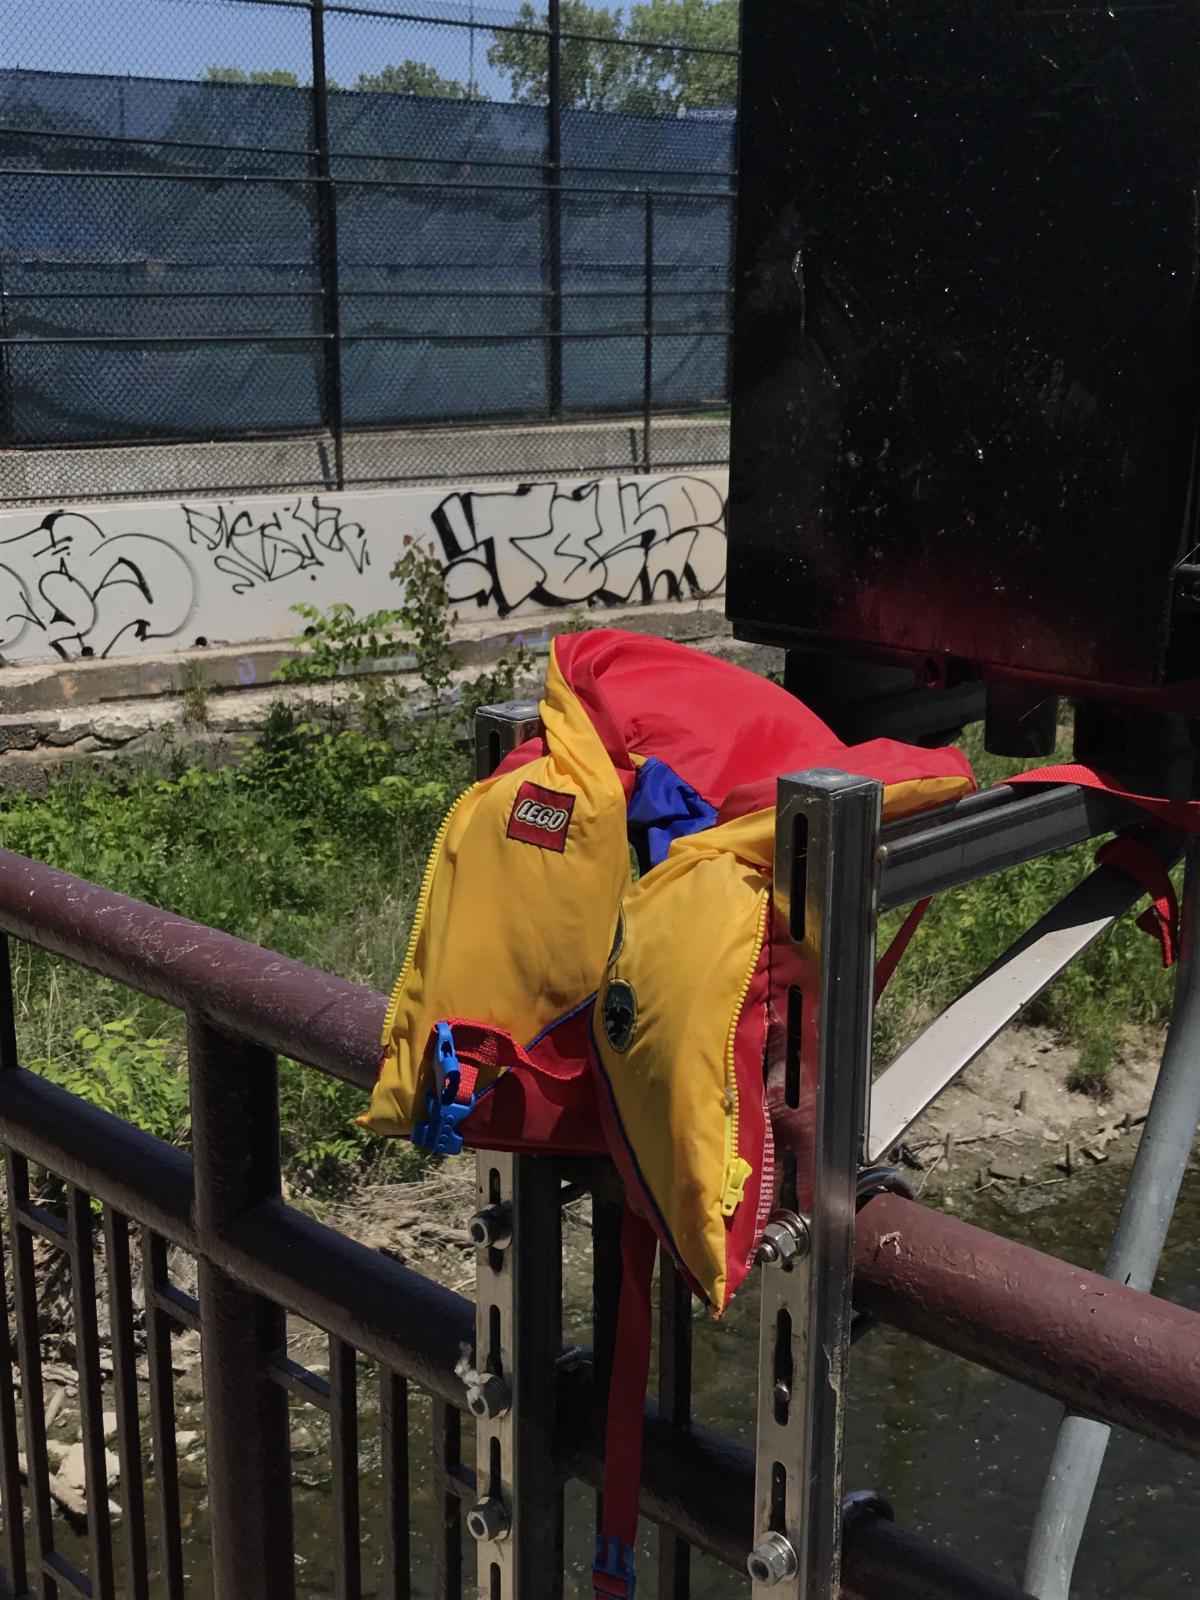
x: 110, y: 580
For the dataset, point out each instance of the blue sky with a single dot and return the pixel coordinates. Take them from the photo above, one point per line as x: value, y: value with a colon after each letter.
x: 181, y: 38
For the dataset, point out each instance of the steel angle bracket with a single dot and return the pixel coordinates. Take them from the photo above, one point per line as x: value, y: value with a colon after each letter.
x: 517, y: 1520
x: 827, y: 836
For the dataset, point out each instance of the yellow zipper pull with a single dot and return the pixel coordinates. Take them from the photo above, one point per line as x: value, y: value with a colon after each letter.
x: 734, y: 1186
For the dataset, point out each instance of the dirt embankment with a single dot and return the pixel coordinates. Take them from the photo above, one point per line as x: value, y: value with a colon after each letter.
x: 1010, y: 1118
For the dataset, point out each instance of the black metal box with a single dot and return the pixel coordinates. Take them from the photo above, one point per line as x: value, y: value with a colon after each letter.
x: 965, y: 372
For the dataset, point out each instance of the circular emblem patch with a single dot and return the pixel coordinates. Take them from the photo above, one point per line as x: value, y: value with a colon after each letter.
x: 620, y: 1013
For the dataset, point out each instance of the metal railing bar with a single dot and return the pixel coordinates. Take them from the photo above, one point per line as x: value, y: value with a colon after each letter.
x: 25, y: 1305
x: 162, y: 1418
x: 343, y: 1421
x: 305, y: 1385
x: 118, y: 1163
x: 57, y: 1568
x: 312, y: 180
x: 399, y: 293
x: 283, y: 1005
x: 125, y: 1398
x: 91, y: 1396
x: 415, y: 158
x: 183, y: 1309
x: 45, y: 1223
x: 393, y: 1451
x: 11, y: 1499
x: 447, y: 1447
x: 195, y: 340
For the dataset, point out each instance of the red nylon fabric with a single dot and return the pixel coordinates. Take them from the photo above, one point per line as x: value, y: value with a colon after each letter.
x: 627, y: 1400
x: 725, y: 731
x: 890, y: 959
x: 1161, y: 918
x: 1181, y: 814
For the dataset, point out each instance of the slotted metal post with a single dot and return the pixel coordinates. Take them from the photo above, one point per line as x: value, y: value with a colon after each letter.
x: 818, y: 1075
x: 518, y: 1518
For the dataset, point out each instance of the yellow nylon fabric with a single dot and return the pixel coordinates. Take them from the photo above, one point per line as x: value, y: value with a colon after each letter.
x: 511, y: 934
x: 690, y: 941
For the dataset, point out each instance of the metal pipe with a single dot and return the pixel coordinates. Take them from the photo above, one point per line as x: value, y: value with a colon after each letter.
x: 981, y: 841
x: 1101, y: 1348
x: 283, y: 1005
x: 969, y: 1024
x: 1133, y: 1258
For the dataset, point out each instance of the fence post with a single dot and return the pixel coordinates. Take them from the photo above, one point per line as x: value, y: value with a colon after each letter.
x: 648, y: 332
x: 327, y: 245
x: 235, y: 1142
x: 553, y: 175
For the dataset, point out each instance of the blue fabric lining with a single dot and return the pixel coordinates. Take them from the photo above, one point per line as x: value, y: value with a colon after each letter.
x: 662, y: 808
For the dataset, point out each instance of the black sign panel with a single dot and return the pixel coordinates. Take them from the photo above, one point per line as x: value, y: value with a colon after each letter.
x: 965, y: 379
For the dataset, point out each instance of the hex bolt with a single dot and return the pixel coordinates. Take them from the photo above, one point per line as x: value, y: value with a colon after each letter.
x: 491, y: 1228
x: 785, y: 1239
x: 772, y: 1560
x: 488, y: 1522
x: 488, y: 1396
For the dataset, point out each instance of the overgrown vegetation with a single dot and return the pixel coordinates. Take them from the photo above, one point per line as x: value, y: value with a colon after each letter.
x: 314, y: 842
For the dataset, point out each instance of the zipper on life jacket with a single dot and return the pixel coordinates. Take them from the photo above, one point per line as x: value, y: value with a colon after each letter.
x: 419, y: 913
x: 737, y: 1168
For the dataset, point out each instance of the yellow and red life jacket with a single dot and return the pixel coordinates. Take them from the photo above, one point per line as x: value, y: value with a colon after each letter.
x: 552, y: 1001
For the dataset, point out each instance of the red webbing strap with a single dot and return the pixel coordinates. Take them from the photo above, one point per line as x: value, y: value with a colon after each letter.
x: 481, y: 1046
x: 1181, y: 814
x: 1161, y: 917
x: 890, y: 960
x: 612, y: 1572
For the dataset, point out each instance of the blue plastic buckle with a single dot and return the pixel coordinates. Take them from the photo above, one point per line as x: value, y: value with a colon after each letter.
x: 614, y: 1561
x: 444, y: 1111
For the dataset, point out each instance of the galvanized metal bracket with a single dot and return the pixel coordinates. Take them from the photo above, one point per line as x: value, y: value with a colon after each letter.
x: 827, y: 834
x: 517, y: 1519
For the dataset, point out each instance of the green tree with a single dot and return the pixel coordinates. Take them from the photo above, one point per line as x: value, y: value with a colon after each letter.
x: 412, y: 77
x: 600, y: 72
x: 284, y: 80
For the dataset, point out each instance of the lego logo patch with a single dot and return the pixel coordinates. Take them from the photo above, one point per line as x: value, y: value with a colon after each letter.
x: 541, y: 816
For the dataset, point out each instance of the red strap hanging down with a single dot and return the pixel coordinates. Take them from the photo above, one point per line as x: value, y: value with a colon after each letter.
x: 1161, y: 917
x: 890, y: 959
x: 612, y: 1571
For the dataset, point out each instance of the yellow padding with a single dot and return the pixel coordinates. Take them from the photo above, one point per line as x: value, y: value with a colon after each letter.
x: 512, y: 933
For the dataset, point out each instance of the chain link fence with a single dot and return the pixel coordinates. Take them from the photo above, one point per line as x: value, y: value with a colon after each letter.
x: 273, y: 243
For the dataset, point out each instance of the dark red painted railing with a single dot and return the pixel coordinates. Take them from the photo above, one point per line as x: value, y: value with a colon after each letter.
x: 1117, y: 1354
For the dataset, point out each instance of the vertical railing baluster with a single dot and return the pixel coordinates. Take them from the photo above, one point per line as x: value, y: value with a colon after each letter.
x: 125, y: 1393
x: 393, y: 1443
x: 29, y: 1345
x: 674, y: 1406
x: 447, y: 1549
x: 162, y: 1417
x: 91, y: 1394
x: 235, y: 1144
x: 606, y: 1292
x: 11, y: 1500
x: 343, y: 1423
x: 647, y: 328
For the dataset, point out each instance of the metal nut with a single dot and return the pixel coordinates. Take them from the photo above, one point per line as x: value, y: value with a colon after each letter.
x: 785, y: 1240
x: 488, y: 1521
x: 488, y: 1396
x: 491, y: 1228
x: 772, y: 1560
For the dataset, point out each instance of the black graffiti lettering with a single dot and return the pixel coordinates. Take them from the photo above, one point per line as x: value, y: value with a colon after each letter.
x: 610, y: 542
x: 258, y: 547
x: 86, y: 590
